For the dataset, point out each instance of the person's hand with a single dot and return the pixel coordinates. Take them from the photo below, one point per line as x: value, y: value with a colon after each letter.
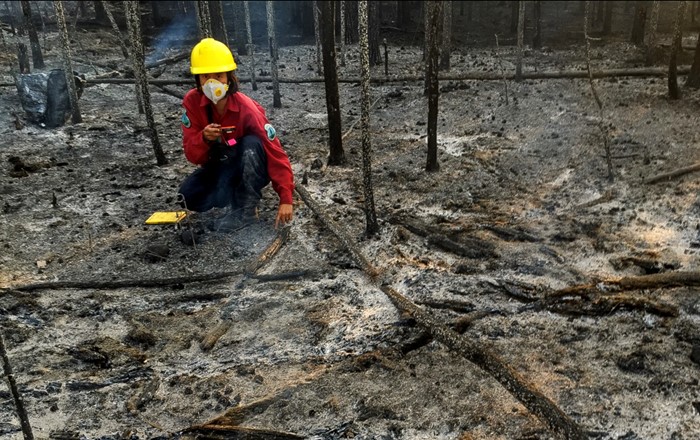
x: 211, y: 132
x: 284, y: 214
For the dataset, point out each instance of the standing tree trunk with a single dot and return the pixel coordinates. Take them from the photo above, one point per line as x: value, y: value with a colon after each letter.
x: 276, y: 98
x: 67, y: 64
x: 352, y: 27
x: 521, y: 37
x: 514, y: 13
x: 374, y: 23
x: 651, y: 50
x: 23, y: 58
x: 433, y: 12
x: 693, y: 80
x: 403, y: 12
x: 371, y: 227
x: 115, y: 27
x: 607, y: 17
x: 673, y: 90
x: 240, y: 27
x: 218, y: 24
x: 537, y: 39
x: 343, y: 49
x: 100, y: 16
x: 133, y: 21
x: 251, y: 47
x: 37, y: 58
x: 203, y: 19
x: 638, y: 26
x: 317, y: 35
x: 327, y: 36
x: 446, y: 36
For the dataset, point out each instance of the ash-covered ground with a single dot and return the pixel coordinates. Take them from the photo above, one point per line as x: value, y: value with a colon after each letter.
x: 309, y: 345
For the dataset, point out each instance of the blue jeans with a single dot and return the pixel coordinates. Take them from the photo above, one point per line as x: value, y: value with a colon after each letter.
x: 233, y: 176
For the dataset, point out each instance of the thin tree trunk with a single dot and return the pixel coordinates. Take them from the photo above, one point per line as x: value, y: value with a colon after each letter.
x: 446, y: 36
x: 218, y: 24
x: 19, y: 402
x: 240, y: 27
x: 374, y: 22
x: 514, y: 14
x: 537, y: 40
x: 653, y: 27
x: 521, y: 37
x: 67, y: 64
x: 327, y: 40
x: 115, y: 27
x: 23, y: 58
x: 317, y: 37
x: 37, y: 58
x: 607, y: 18
x: 371, y: 227
x: 343, y: 5
x: 673, y: 89
x: 639, y: 24
x: 276, y: 98
x: 693, y: 80
x: 203, y: 18
x: 133, y: 20
x: 100, y: 16
x: 434, y: 13
x: 251, y: 47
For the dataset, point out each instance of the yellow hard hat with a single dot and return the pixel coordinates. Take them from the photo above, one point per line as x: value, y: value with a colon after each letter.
x: 211, y: 56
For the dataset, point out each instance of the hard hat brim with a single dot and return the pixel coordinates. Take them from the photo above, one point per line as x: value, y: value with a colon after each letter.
x: 217, y: 69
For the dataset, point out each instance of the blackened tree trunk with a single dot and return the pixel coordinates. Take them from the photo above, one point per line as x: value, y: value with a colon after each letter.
x: 371, y: 227
x: 218, y: 25
x: 403, y: 12
x: 100, y: 15
x: 446, y: 36
x: 433, y: 12
x: 250, y: 46
x: 115, y: 27
x: 607, y: 17
x: 327, y: 34
x: 521, y: 37
x: 351, y: 21
x: 203, y: 19
x: 693, y: 80
x: 343, y: 48
x: 156, y: 14
x: 639, y: 24
x: 133, y: 20
x: 239, y: 27
x: 317, y: 37
x: 23, y: 58
x: 514, y: 11
x: 37, y: 57
x: 67, y: 64
x: 374, y: 24
x: 651, y: 49
x: 673, y: 90
x: 537, y: 39
x: 276, y: 98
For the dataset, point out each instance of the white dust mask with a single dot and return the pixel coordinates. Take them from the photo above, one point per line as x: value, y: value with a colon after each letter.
x: 214, y: 90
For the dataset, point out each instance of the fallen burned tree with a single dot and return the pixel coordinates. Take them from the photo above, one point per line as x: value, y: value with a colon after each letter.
x: 526, y: 393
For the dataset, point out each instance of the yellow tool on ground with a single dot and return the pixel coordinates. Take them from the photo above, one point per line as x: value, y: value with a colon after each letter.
x: 166, y: 217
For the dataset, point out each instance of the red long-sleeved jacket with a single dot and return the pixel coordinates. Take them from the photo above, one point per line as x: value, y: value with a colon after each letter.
x: 248, y: 117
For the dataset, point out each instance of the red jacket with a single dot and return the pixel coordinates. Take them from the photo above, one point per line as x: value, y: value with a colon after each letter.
x: 248, y: 117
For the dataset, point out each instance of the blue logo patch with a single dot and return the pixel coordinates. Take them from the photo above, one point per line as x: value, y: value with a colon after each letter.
x: 270, y: 132
x: 186, y: 121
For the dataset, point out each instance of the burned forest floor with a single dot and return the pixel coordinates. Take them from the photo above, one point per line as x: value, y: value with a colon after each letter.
x: 308, y: 346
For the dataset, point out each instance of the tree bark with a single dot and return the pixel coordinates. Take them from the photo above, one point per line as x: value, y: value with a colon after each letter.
x: 537, y: 40
x: 19, y: 402
x: 639, y: 24
x: 115, y: 27
x: 521, y: 37
x: 203, y: 19
x: 240, y: 27
x: 276, y: 98
x: 651, y: 39
x: 133, y: 20
x: 371, y: 225
x: 514, y: 13
x: 37, y: 57
x: 67, y: 64
x: 434, y: 13
x: 693, y: 80
x: 673, y: 89
x: 446, y: 36
x: 374, y: 24
x: 251, y: 46
x: 607, y: 18
x: 343, y: 48
x: 403, y: 12
x: 218, y: 24
x: 100, y: 16
x: 23, y: 58
x: 327, y: 40
x: 317, y: 37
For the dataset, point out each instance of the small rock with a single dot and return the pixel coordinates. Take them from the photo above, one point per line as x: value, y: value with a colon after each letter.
x: 156, y: 253
x: 190, y: 238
